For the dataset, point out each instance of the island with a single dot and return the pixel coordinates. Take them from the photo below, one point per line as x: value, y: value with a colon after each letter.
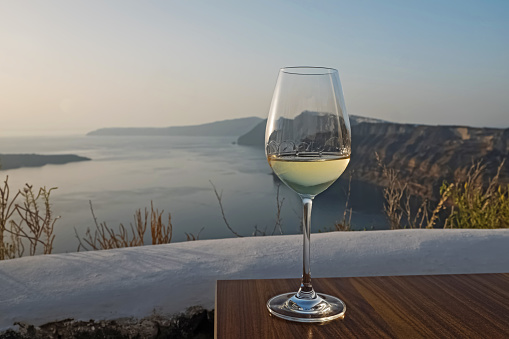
x: 12, y: 161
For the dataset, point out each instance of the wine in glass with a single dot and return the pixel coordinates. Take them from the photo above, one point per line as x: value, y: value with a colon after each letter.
x: 308, y: 146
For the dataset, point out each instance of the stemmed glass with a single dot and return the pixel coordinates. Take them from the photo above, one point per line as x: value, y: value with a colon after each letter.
x: 308, y: 146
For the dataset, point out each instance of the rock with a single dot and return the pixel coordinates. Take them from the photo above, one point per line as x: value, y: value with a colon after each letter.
x: 196, y: 323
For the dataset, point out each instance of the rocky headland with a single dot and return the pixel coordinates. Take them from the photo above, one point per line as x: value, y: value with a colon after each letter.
x: 424, y: 155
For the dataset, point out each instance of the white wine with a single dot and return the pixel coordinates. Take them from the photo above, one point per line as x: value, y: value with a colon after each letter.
x: 308, y: 175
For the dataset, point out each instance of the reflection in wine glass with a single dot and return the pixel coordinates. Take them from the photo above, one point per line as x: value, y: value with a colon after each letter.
x: 308, y: 146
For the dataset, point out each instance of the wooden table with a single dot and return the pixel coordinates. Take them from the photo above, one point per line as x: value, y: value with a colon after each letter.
x: 434, y: 306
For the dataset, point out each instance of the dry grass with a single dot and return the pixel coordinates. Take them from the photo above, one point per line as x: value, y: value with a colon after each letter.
x: 192, y: 237
x: 104, y: 238
x: 466, y: 203
x: 398, y: 202
x: 393, y: 194
x: 474, y: 205
x: 161, y: 234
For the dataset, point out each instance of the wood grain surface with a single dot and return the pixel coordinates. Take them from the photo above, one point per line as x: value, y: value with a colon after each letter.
x: 435, y: 306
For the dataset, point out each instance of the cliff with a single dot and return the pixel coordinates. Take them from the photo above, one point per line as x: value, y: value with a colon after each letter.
x: 427, y: 155
x: 424, y: 155
x: 256, y: 136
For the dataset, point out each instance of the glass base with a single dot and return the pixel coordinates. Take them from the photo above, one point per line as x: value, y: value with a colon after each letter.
x: 320, y: 309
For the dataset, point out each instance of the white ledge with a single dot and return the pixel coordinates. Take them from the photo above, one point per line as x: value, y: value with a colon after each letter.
x: 135, y: 282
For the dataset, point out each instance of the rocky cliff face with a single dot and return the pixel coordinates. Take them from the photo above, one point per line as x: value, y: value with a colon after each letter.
x: 423, y: 155
x: 427, y: 155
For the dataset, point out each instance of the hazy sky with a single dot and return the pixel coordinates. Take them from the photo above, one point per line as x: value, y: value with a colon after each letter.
x: 74, y: 66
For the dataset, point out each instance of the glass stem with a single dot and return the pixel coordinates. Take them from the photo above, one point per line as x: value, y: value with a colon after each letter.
x: 306, y: 290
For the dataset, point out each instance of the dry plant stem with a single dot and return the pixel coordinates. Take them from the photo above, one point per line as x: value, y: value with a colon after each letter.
x: 219, y: 197
x: 40, y: 226
x: 7, y: 208
x: 424, y: 210
x: 160, y: 233
x: 395, y: 208
x: 346, y: 223
x: 141, y: 227
x: 259, y: 232
x: 412, y: 221
x: 347, y: 201
x: 448, y: 220
x: 279, y: 220
x: 299, y: 217
x: 492, y: 186
x: 440, y: 206
x: 279, y: 205
x: 106, y: 238
x: 35, y: 225
x: 16, y: 248
x: 392, y: 194
x: 192, y: 237
x: 103, y: 238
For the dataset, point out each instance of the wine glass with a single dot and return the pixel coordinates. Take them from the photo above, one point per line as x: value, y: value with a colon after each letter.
x: 308, y: 146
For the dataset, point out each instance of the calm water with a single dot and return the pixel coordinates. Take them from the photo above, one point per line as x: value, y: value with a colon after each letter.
x: 127, y: 173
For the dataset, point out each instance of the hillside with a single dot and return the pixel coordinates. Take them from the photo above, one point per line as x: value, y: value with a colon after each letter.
x: 252, y: 138
x: 427, y: 155
x: 424, y: 155
x: 12, y: 161
x: 234, y: 127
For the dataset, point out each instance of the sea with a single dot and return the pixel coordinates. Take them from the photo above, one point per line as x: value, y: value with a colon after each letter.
x: 175, y: 174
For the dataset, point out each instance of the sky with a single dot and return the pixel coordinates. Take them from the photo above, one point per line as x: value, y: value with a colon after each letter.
x: 69, y: 67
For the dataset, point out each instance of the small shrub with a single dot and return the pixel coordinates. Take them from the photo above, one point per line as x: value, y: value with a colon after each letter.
x: 476, y: 206
x: 39, y: 221
x: 28, y: 222
x: 7, y: 209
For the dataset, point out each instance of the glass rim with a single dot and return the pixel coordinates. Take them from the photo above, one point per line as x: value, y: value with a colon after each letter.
x: 308, y: 70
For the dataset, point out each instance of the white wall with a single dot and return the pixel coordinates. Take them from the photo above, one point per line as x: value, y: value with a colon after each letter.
x: 135, y: 282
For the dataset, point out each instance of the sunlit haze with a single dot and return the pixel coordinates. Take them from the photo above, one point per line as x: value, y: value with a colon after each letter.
x: 69, y: 67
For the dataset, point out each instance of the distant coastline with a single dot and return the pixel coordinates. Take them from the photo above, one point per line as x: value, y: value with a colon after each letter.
x: 234, y: 127
x: 13, y: 161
